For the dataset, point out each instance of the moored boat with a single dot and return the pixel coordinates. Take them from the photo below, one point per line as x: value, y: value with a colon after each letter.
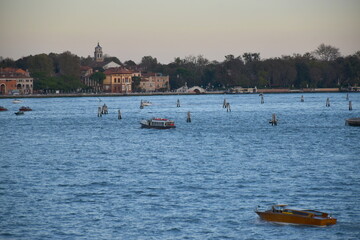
x: 19, y: 113
x: 146, y: 103
x: 353, y: 122
x: 16, y: 101
x: 25, y: 109
x: 159, y: 123
x: 280, y: 214
x: 3, y: 108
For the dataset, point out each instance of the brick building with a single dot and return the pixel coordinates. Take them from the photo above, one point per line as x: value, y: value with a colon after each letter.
x: 15, y: 80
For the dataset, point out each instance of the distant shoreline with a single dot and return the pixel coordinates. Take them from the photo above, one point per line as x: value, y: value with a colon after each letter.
x: 284, y: 90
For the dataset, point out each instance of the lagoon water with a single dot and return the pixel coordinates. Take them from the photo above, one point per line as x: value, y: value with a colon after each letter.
x: 67, y: 174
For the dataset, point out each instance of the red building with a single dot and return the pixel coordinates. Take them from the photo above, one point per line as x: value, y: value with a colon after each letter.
x: 15, y: 80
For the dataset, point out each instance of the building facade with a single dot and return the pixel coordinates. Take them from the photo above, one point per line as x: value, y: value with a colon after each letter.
x: 152, y: 82
x: 15, y: 81
x: 85, y: 77
x: 118, y: 80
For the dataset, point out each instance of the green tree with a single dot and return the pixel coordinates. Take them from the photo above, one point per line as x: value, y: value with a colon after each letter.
x: 98, y: 77
x: 7, y: 62
x: 327, y: 52
x: 69, y: 64
x: 41, y: 63
x: 130, y: 64
x: 136, y: 84
x: 149, y: 64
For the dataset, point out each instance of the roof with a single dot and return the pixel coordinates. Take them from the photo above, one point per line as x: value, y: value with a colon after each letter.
x: 13, y: 73
x: 101, y: 64
x: 118, y: 70
x: 85, y: 68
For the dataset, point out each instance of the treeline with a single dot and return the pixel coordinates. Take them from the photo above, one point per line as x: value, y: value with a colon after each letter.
x: 50, y: 71
x: 324, y: 67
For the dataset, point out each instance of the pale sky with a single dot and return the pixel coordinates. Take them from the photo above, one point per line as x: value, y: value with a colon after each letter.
x: 166, y: 29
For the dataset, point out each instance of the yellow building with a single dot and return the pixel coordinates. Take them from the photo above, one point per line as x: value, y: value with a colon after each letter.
x: 152, y: 82
x: 118, y: 80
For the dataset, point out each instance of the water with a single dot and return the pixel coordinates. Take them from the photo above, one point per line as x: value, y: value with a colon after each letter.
x: 67, y: 174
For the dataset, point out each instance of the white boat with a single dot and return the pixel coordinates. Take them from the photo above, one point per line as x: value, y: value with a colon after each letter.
x: 146, y: 103
x: 16, y: 101
x: 159, y: 123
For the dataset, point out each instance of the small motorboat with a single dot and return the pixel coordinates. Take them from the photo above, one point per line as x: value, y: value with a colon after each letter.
x: 146, y: 103
x: 3, y: 108
x: 16, y: 101
x: 159, y: 123
x: 19, y: 113
x: 280, y: 214
x: 353, y: 122
x: 25, y: 109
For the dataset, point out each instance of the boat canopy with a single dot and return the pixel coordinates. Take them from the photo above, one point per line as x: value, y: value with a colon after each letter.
x: 280, y: 205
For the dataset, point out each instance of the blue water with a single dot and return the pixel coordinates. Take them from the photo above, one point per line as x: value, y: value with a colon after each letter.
x: 67, y: 174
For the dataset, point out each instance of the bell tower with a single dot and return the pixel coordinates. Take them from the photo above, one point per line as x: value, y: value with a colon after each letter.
x: 98, y: 54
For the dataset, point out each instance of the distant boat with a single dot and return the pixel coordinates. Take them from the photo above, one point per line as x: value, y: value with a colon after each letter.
x: 19, y: 113
x: 16, y: 101
x: 146, y: 103
x: 280, y: 214
x: 25, y: 109
x: 3, y: 108
x: 353, y: 121
x: 159, y: 123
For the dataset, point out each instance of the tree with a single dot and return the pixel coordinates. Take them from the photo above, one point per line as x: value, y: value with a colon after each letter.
x: 136, y: 84
x: 251, y: 57
x: 326, y: 52
x: 86, y: 61
x: 69, y: 64
x: 98, y: 77
x: 7, y: 62
x: 41, y: 63
x: 130, y: 64
x: 149, y: 64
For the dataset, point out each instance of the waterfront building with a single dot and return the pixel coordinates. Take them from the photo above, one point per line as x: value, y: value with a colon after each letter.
x: 118, y: 80
x: 15, y: 81
x: 86, y: 79
x: 152, y: 82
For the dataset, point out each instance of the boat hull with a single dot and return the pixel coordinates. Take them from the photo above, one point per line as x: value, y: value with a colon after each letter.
x: 156, y: 127
x: 353, y: 122
x: 296, y: 219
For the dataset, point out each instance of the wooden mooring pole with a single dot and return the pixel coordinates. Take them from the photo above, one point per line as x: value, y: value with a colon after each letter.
x: 228, y: 108
x: 178, y: 103
x: 99, y: 112
x: 273, y: 120
x: 350, y: 106
x: 328, y: 102
x: 302, y: 98
x: 224, y: 104
x: 119, y: 114
x: 188, y: 119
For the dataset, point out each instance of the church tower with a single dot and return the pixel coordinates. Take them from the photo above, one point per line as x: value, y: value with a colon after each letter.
x: 98, y: 54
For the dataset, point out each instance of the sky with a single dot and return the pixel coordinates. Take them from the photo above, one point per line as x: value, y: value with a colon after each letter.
x: 166, y: 29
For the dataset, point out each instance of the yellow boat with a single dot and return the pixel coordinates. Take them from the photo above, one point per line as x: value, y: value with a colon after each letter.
x: 279, y: 213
